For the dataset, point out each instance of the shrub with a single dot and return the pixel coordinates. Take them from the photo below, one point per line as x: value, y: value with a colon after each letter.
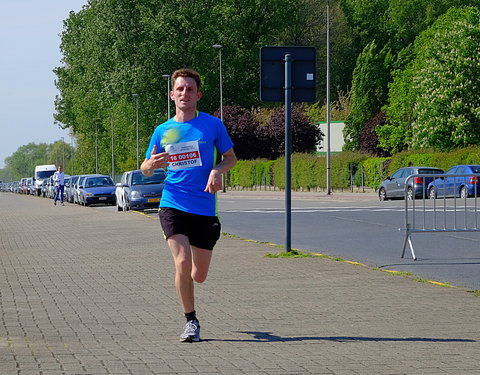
x: 375, y: 171
x: 368, y: 137
x: 242, y: 127
x: 305, y: 135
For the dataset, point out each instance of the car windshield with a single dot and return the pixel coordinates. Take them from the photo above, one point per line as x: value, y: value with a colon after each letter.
x: 98, y: 182
x: 475, y: 168
x: 44, y: 174
x: 430, y: 171
x: 157, y: 178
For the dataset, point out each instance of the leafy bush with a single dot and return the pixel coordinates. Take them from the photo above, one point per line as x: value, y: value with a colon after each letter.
x: 305, y: 135
x: 263, y: 172
x: 405, y: 158
x: 368, y: 137
x: 375, y: 171
x: 242, y: 127
x: 278, y: 168
x: 243, y: 174
x: 343, y: 166
x: 261, y: 133
x: 303, y: 171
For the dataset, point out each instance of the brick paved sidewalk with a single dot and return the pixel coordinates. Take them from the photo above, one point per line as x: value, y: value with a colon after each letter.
x: 90, y: 291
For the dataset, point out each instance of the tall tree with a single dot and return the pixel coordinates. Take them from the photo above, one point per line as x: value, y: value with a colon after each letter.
x: 369, y: 92
x: 439, y: 88
x: 406, y: 19
x: 115, y: 48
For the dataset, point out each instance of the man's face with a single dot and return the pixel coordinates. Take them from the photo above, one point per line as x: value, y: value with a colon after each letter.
x: 185, y: 93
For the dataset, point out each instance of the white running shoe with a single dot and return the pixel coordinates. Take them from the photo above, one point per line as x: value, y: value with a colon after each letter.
x: 191, y: 332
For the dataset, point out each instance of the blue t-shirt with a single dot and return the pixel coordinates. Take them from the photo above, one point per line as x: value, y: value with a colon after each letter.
x: 193, y: 147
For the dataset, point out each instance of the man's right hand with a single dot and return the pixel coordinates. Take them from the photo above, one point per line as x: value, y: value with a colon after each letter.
x: 155, y: 161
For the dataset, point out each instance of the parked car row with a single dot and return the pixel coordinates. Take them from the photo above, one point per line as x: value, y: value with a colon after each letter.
x: 459, y: 181
x: 134, y: 192
x: 83, y: 189
x: 87, y: 189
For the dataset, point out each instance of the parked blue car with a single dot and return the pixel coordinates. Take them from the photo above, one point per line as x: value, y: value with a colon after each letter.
x: 459, y: 181
x: 96, y: 189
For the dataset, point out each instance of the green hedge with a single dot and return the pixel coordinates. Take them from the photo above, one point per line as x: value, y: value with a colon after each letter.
x: 346, y: 168
x: 250, y: 173
x: 308, y: 171
x: 375, y: 171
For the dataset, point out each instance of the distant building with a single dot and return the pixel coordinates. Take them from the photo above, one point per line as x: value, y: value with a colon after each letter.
x: 336, y: 136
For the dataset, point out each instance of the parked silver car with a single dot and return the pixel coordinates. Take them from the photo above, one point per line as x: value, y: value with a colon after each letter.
x: 95, y: 189
x: 137, y: 192
x: 394, y: 186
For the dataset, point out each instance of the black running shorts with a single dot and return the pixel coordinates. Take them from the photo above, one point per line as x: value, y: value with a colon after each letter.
x: 202, y: 231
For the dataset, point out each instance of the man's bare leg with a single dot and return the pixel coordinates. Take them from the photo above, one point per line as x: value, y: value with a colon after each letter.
x: 182, y: 256
x: 191, y: 264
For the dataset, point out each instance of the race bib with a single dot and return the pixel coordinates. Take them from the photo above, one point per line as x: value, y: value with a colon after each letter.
x: 183, y: 155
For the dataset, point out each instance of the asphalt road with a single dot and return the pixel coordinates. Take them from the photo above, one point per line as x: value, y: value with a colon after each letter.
x: 364, y: 230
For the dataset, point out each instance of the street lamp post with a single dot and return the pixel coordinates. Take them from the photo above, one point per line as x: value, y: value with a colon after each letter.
x: 63, y: 153
x: 136, y: 115
x: 113, y: 159
x: 96, y: 146
x: 219, y: 47
x: 72, y: 152
x: 328, y: 98
x: 167, y: 76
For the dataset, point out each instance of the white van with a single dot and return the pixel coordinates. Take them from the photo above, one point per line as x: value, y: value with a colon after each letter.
x: 43, y: 172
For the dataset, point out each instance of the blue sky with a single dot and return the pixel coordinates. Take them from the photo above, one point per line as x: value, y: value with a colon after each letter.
x: 29, y: 51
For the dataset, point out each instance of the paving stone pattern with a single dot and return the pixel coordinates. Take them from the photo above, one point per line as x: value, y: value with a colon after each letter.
x: 90, y: 291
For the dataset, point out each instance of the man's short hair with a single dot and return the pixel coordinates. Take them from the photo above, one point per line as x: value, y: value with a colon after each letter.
x: 186, y: 73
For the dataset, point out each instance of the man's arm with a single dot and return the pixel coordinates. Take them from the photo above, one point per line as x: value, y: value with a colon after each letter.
x: 214, y: 184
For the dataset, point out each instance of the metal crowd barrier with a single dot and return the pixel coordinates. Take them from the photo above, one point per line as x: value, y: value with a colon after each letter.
x: 442, y: 214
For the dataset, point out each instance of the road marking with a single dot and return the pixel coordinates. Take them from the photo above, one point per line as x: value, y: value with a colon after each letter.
x: 418, y: 210
x: 310, y: 210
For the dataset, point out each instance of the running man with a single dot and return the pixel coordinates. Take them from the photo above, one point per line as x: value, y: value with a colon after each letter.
x: 188, y: 144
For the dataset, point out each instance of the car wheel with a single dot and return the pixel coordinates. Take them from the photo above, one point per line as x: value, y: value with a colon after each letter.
x: 463, y: 192
x: 432, y: 194
x: 409, y: 193
x: 382, y: 194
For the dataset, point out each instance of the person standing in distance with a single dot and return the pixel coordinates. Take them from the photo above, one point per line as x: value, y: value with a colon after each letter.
x: 59, y: 185
x: 187, y: 145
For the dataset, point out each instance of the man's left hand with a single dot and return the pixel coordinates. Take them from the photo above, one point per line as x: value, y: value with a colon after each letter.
x: 214, y: 183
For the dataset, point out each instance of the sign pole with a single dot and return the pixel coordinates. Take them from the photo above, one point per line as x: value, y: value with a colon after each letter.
x: 329, y: 191
x: 282, y: 80
x: 288, y: 152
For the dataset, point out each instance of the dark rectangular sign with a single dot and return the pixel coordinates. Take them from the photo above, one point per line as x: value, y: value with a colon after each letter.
x: 272, y: 73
